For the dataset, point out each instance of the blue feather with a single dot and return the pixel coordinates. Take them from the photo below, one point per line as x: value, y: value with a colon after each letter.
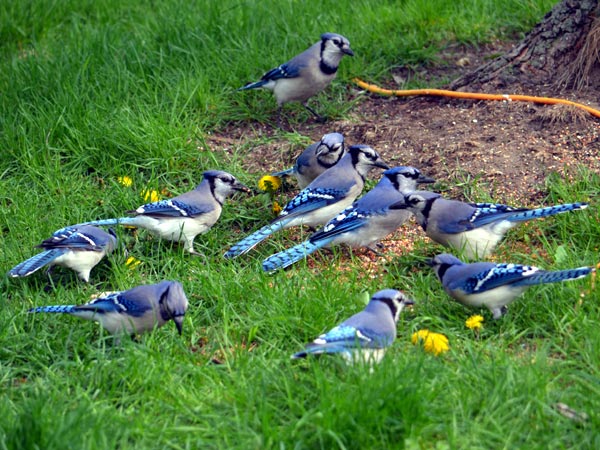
x: 36, y: 262
x: 288, y: 257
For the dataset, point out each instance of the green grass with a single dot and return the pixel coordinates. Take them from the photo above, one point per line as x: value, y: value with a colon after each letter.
x: 93, y: 90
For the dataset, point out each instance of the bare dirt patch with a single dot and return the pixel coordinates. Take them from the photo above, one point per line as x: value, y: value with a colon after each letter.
x: 510, y: 147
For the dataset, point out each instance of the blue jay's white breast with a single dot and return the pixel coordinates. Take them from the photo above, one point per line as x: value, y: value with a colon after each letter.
x: 301, y: 88
x: 493, y: 299
x: 368, y: 234
x: 81, y: 261
x: 378, y: 227
x: 117, y: 323
x: 176, y: 229
x: 476, y: 243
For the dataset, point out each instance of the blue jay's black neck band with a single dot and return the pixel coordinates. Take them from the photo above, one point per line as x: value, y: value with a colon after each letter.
x: 390, y: 303
x: 426, y: 211
x: 394, y: 181
x: 327, y: 164
x: 326, y: 68
x: 211, y: 183
x: 441, y: 270
x: 165, y: 312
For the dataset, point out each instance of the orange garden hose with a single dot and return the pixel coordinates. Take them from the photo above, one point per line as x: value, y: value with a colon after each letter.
x: 472, y: 96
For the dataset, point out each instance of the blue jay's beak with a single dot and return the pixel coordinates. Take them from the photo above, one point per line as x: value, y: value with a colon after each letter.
x: 348, y: 51
x: 179, y: 323
x: 430, y: 262
x: 241, y: 187
x: 382, y: 165
x: 409, y: 302
x: 424, y: 180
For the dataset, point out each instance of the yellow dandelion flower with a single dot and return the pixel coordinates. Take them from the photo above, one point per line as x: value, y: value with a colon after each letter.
x: 276, y: 208
x: 125, y: 181
x: 435, y: 343
x: 474, y: 322
x: 269, y: 183
x: 132, y: 262
x: 150, y: 195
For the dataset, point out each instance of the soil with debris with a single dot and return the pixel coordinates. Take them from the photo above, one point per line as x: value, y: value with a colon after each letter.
x: 510, y: 147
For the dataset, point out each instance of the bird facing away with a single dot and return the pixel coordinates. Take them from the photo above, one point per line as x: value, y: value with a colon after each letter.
x: 306, y: 74
x: 492, y: 285
x: 79, y: 248
x: 316, y: 159
x: 182, y: 218
x: 366, y: 222
x: 366, y: 335
x: 473, y: 228
x: 331, y: 192
x: 135, y: 311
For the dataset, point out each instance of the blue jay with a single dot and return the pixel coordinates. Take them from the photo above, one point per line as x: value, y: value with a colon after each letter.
x: 79, y: 248
x: 494, y: 285
x: 306, y: 74
x: 366, y: 335
x: 331, y: 192
x: 134, y: 311
x: 367, y: 221
x: 316, y: 159
x: 182, y: 218
x: 474, y: 228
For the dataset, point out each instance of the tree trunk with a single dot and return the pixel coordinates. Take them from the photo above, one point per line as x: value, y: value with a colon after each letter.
x: 563, y: 50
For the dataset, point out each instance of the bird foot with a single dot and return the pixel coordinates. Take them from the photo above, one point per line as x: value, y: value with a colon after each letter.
x: 378, y: 252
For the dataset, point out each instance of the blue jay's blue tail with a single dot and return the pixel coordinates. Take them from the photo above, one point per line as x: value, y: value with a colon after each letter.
x: 288, y: 257
x: 36, y: 262
x: 62, y: 309
x: 544, y: 212
x: 543, y: 277
x: 319, y: 349
x: 248, y: 243
x: 254, y: 85
x: 284, y: 173
x: 110, y: 222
